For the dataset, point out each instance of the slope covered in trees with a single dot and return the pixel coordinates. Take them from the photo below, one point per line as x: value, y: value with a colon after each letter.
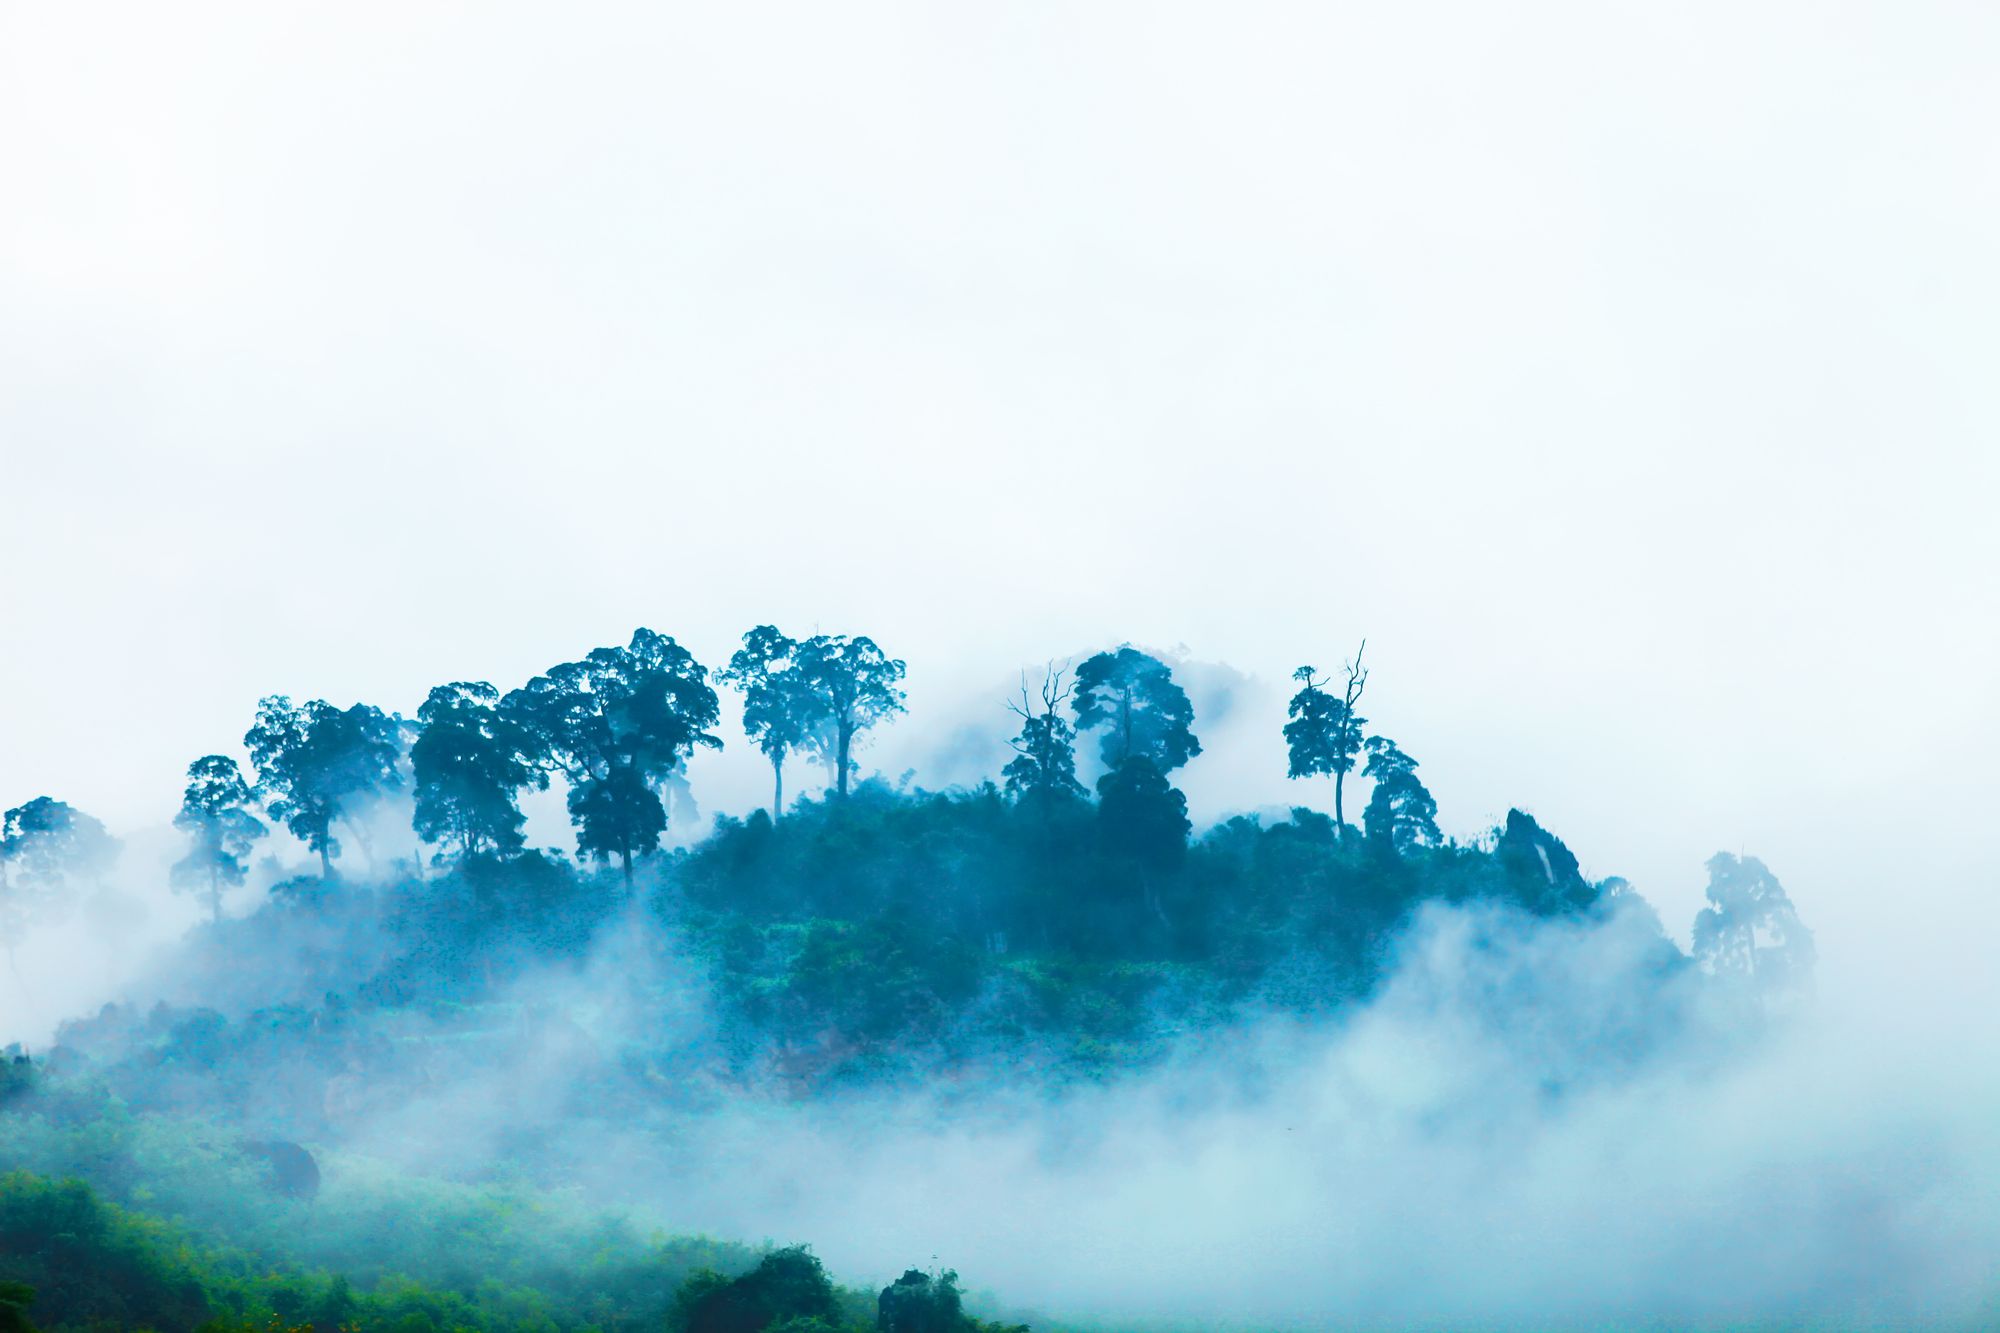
x: 497, y: 1014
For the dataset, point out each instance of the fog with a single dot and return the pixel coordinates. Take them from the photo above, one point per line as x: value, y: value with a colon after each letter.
x: 1622, y: 376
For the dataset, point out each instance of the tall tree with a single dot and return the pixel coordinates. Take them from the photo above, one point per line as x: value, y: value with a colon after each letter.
x: 616, y: 725
x: 852, y: 686
x: 1750, y: 931
x: 1400, y: 812
x: 215, y: 814
x: 318, y: 765
x: 1132, y: 696
x: 469, y: 764
x: 778, y: 706
x: 1324, y: 735
x: 1043, y: 768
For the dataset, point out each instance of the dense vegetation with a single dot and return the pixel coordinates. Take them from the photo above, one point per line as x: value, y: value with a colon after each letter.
x: 1033, y: 930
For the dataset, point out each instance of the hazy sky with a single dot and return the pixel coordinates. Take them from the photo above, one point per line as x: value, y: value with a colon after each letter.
x: 1625, y: 373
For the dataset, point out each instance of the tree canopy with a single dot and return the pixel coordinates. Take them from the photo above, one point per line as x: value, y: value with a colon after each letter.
x: 215, y: 813
x: 1133, y: 699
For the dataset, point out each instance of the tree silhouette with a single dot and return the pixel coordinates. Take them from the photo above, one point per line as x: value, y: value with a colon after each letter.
x: 215, y: 814
x: 778, y: 705
x: 469, y: 764
x: 319, y: 765
x: 1043, y: 768
x: 1400, y: 811
x: 1324, y: 735
x: 1750, y: 931
x: 852, y: 686
x: 1132, y: 696
x: 616, y: 725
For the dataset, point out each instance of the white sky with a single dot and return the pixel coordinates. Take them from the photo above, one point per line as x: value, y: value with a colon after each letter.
x: 1626, y: 373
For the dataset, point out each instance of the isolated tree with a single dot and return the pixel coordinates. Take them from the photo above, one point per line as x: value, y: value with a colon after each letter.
x: 1400, y: 811
x: 1132, y: 696
x: 1043, y: 768
x: 215, y: 814
x: 1750, y: 931
x: 851, y: 686
x: 778, y: 708
x: 469, y: 764
x: 1324, y: 735
x: 318, y: 765
x: 617, y: 725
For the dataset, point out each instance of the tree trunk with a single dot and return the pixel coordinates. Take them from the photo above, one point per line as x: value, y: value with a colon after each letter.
x: 325, y: 861
x: 846, y: 741
x: 777, y: 787
x: 1339, y: 809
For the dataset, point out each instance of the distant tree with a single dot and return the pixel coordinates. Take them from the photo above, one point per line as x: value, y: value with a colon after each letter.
x: 852, y: 686
x: 787, y: 1289
x: 45, y: 843
x: 215, y: 814
x: 1044, y: 765
x: 778, y: 706
x: 318, y: 765
x: 617, y: 725
x: 920, y: 1302
x: 1400, y: 812
x: 1324, y: 735
x: 469, y: 764
x: 1133, y: 697
x: 46, y: 846
x: 1750, y: 931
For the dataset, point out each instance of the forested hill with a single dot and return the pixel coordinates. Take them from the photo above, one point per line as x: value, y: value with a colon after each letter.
x: 870, y: 926
x: 455, y: 1041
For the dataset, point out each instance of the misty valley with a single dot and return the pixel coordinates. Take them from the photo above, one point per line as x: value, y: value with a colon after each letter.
x: 1035, y: 1050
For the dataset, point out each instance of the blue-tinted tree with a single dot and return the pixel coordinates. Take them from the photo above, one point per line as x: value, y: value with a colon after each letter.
x: 616, y: 725
x: 1324, y: 734
x: 215, y: 813
x: 319, y: 765
x: 778, y: 705
x: 46, y: 847
x: 1043, y: 769
x: 851, y: 686
x: 469, y: 764
x: 1400, y: 812
x: 1132, y: 697
x: 1750, y: 931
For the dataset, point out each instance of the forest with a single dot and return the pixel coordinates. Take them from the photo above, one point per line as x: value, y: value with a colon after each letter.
x: 434, y: 1077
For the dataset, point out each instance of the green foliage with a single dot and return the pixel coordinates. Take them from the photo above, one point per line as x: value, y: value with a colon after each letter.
x: 15, y: 1298
x: 787, y: 1290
